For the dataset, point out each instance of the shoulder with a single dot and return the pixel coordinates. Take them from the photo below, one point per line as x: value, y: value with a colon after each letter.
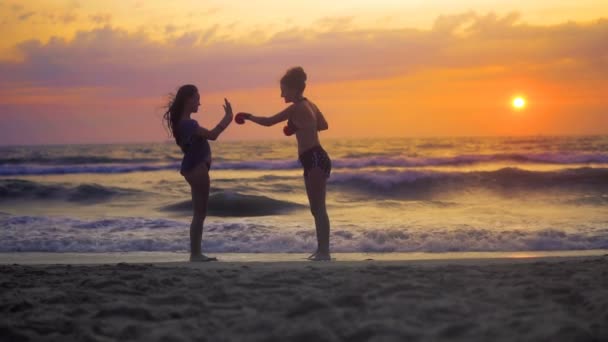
x: 302, y: 106
x: 289, y: 112
x: 313, y: 106
x: 188, y: 122
x: 306, y: 109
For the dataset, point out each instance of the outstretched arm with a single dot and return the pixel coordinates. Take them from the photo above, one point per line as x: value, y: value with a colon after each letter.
x: 271, y: 120
x: 214, y: 133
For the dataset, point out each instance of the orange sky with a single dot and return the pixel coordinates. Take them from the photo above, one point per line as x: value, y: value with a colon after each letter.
x: 99, y: 71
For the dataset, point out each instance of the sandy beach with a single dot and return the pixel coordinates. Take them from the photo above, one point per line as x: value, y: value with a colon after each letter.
x: 534, y: 299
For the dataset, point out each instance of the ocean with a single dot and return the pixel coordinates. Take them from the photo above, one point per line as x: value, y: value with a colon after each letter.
x: 465, y: 194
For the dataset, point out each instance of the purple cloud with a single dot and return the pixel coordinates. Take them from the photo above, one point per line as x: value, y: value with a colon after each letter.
x: 114, y: 58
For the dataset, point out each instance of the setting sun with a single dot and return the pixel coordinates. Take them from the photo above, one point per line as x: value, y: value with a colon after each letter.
x: 519, y: 102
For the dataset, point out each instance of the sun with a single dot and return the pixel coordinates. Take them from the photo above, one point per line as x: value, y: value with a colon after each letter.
x: 519, y: 103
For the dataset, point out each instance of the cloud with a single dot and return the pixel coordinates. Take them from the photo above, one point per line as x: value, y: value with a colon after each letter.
x: 205, y: 13
x: 75, y: 4
x: 450, y: 23
x: 335, y: 23
x: 101, y: 18
x: 62, y: 18
x: 68, y: 18
x: 102, y: 73
x: 170, y: 28
x: 17, y: 7
x: 25, y: 16
x: 188, y: 39
x: 114, y: 58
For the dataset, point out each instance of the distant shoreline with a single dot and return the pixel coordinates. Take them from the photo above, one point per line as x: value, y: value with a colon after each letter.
x: 281, y: 138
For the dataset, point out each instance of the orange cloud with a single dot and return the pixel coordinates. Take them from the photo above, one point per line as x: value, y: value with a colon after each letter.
x: 453, y: 79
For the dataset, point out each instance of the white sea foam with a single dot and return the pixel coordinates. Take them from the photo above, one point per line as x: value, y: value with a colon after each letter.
x: 53, y: 234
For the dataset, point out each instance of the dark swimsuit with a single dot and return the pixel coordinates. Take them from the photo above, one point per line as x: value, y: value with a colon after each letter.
x: 315, y: 156
x: 196, y: 148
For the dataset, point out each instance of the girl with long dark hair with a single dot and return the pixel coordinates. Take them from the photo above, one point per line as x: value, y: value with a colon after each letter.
x: 193, y: 140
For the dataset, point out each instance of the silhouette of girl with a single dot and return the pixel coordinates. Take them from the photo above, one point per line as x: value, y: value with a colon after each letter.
x: 305, y: 120
x: 193, y: 140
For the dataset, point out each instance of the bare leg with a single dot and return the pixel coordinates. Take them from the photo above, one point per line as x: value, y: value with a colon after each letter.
x: 316, y: 190
x: 310, y: 201
x: 199, y: 186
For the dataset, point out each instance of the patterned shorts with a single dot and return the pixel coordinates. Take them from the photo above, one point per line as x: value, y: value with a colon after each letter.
x: 315, y: 157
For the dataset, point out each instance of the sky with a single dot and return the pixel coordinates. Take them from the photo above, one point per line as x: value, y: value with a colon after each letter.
x: 100, y: 71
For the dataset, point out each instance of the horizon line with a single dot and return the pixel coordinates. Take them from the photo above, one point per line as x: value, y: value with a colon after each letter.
x: 229, y: 140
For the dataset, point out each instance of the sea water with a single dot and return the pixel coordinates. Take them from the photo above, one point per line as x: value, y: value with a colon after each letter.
x: 429, y: 195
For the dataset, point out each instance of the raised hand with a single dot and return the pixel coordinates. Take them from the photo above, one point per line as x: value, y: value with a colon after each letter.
x: 228, y: 109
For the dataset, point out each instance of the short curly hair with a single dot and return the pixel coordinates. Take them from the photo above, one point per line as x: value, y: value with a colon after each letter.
x: 295, y: 78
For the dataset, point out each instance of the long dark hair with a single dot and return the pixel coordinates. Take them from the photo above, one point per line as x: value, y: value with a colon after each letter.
x: 175, y: 107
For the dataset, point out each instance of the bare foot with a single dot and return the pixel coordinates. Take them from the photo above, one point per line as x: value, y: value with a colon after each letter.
x: 201, y: 258
x: 313, y: 255
x: 321, y: 257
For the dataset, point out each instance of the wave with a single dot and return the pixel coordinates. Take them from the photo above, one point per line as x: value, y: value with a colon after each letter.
x: 136, y: 165
x: 417, y: 183
x: 600, y: 200
x: 431, y: 145
x: 234, y: 204
x: 18, y: 189
x: 350, y: 163
x: 395, y: 184
x: 76, y: 160
x: 28, y: 170
x: 54, y: 234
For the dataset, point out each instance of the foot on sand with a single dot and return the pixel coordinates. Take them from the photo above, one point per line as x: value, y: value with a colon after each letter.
x: 313, y: 255
x: 320, y: 257
x: 201, y: 258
